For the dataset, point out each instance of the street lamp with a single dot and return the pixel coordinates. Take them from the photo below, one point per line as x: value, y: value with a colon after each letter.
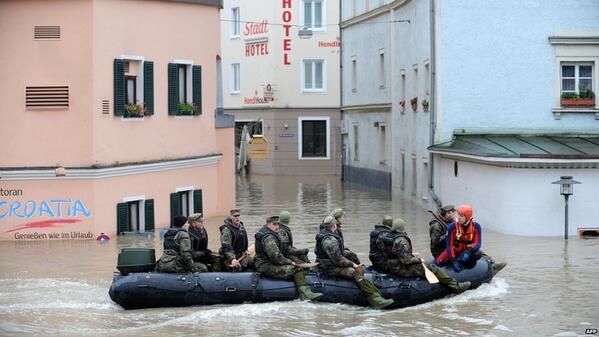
x: 566, y: 189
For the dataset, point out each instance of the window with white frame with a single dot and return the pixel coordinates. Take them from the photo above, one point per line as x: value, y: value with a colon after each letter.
x: 402, y: 180
x: 356, y: 143
x: 354, y: 74
x: 313, y: 75
x: 427, y: 74
x: 235, y: 22
x: 135, y: 214
x: 382, y: 144
x: 235, y: 78
x: 424, y: 183
x: 315, y: 138
x: 402, y: 91
x: 576, y: 77
x: 312, y: 16
x: 414, y: 175
x: 415, y: 81
x: 381, y: 68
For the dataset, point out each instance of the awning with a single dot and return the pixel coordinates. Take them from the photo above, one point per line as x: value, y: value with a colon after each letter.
x: 555, y: 146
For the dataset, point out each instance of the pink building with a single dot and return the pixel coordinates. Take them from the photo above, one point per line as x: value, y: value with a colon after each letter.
x: 107, y: 121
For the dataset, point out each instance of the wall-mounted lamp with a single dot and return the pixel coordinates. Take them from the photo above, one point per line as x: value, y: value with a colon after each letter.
x: 286, y: 126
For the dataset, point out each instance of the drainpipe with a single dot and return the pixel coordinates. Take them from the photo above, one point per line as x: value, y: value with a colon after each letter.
x: 433, y: 122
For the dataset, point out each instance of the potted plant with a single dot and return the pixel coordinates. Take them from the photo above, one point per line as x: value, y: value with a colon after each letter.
x: 185, y: 108
x: 134, y: 110
x: 424, y: 105
x: 414, y: 102
x: 573, y: 99
x: 402, y: 105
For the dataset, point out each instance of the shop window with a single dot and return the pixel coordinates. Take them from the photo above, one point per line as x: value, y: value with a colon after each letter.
x: 315, y: 137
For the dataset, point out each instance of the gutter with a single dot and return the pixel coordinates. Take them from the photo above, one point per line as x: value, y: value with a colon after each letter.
x: 433, y: 103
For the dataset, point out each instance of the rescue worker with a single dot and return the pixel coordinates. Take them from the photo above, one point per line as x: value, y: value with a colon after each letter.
x: 376, y: 255
x: 438, y: 228
x: 338, y: 214
x: 294, y: 254
x: 464, y: 239
x: 271, y: 262
x: 234, y: 243
x: 402, y: 262
x: 177, y: 256
x: 199, y: 243
x: 329, y: 245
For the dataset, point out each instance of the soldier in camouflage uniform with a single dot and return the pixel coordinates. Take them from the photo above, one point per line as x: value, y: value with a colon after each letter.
x: 294, y: 254
x: 234, y: 243
x: 338, y: 214
x: 438, y: 228
x: 271, y: 262
x: 400, y: 261
x: 376, y: 255
x: 199, y: 243
x: 329, y: 246
x: 176, y: 256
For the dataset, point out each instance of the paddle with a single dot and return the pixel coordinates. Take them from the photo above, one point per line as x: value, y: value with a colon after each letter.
x: 307, y: 265
x: 430, y: 276
x: 250, y: 251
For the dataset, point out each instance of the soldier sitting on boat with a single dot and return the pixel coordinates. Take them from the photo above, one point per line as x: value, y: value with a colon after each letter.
x: 294, y: 254
x: 199, y: 244
x: 177, y: 253
x: 234, y: 243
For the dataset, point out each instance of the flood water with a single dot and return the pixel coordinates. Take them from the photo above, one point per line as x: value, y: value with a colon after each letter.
x: 549, y: 288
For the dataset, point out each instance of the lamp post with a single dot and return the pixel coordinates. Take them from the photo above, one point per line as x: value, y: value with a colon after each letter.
x: 566, y: 189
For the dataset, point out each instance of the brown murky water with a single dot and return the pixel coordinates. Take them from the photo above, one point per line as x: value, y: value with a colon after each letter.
x: 548, y: 288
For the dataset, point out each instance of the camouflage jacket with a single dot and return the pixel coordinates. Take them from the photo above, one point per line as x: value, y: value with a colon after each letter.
x: 438, y: 234
x: 273, y: 252
x: 183, y: 259
x: 287, y: 244
x: 331, y: 247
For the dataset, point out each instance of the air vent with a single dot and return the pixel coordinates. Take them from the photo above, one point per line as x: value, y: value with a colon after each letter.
x: 105, y: 106
x: 126, y: 66
x: 46, y: 32
x: 47, y: 97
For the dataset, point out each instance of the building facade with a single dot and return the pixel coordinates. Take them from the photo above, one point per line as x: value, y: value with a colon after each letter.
x: 110, y: 127
x: 283, y: 86
x: 472, y: 141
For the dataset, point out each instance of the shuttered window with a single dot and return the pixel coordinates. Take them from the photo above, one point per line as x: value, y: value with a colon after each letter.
x: 129, y: 217
x: 182, y: 101
x: 47, y: 97
x: 129, y: 89
x: 198, y: 204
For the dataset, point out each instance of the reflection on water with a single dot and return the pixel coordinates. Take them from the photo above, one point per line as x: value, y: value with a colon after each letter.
x: 547, y: 289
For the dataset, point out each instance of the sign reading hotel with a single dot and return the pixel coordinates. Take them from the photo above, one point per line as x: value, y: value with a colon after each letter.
x: 286, y: 31
x: 51, y: 218
x: 256, y: 45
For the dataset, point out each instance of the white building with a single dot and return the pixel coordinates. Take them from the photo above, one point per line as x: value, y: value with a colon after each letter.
x: 282, y: 85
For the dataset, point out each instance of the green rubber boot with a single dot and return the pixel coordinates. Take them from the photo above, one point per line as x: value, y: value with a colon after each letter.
x: 448, y: 281
x: 375, y: 300
x: 305, y: 293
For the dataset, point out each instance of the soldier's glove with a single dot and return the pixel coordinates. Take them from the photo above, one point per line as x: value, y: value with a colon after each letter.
x: 457, y: 266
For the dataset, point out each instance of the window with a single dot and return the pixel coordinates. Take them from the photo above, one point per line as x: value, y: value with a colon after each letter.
x: 424, y: 184
x: 402, y: 181
x: 131, y: 91
x: 235, y: 78
x: 381, y: 68
x: 313, y: 75
x: 312, y: 16
x: 184, y: 88
x: 135, y: 214
x: 415, y: 81
x: 315, y: 138
x: 402, y: 92
x: 235, y: 22
x: 577, y: 78
x: 382, y: 144
x: 254, y: 127
x: 356, y: 143
x: 414, y: 175
x: 354, y: 74
x: 427, y: 74
x: 185, y: 201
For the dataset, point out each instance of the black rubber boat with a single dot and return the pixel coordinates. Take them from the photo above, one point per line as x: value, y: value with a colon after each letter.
x: 151, y: 289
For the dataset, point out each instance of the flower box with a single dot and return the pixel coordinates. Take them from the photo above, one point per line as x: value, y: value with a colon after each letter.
x: 577, y: 102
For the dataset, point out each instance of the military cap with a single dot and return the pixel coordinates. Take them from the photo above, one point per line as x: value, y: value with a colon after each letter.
x: 285, y: 217
x: 179, y: 221
x: 399, y: 225
x: 337, y: 212
x: 195, y: 217
x: 327, y: 221
x: 235, y: 211
x: 273, y: 219
x: 446, y: 208
x: 387, y: 220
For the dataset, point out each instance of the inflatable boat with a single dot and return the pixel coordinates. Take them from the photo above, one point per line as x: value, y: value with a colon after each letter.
x: 138, y: 290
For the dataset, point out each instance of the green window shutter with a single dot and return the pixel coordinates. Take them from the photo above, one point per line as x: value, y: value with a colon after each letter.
x: 175, y: 206
x: 173, y: 89
x: 197, y: 89
x: 149, y: 87
x: 122, y: 217
x: 149, y: 215
x: 198, y: 205
x: 119, y: 87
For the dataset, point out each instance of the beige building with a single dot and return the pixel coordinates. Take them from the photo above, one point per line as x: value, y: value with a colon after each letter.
x: 283, y: 86
x: 107, y: 121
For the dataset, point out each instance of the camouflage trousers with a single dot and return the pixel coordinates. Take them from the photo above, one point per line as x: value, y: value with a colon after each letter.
x: 393, y: 266
x: 247, y: 262
x: 342, y: 272
x: 211, y: 261
x: 175, y: 264
x: 283, y: 272
x: 298, y: 258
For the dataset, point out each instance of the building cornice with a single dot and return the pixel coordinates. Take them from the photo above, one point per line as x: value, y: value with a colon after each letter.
x: 521, y: 162
x: 106, y: 172
x: 373, y: 13
x: 570, y: 39
x: 385, y: 107
x: 216, y: 3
